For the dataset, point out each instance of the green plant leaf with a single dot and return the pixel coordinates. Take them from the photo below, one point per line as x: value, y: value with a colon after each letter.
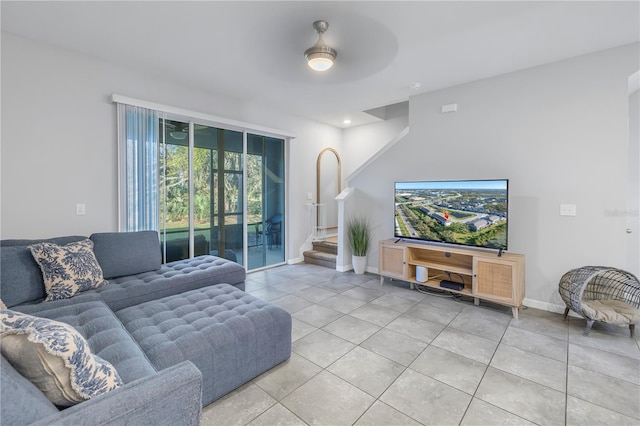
x: 359, y: 234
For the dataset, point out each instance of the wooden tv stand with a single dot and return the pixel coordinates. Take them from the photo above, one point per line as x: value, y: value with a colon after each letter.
x: 484, y: 274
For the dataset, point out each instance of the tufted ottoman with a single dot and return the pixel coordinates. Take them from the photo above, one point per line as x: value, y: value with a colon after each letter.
x: 228, y: 334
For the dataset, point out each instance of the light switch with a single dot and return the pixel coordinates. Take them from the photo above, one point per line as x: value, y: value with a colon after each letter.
x: 567, y: 209
x: 449, y: 108
x: 80, y: 209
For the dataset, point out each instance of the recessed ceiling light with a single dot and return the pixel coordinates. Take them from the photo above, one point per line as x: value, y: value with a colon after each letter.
x: 347, y: 121
x: 415, y: 86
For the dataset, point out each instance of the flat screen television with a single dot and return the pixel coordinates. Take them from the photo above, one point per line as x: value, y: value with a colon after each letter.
x: 465, y: 212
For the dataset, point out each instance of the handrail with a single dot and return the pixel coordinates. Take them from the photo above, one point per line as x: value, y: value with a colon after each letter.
x: 345, y: 194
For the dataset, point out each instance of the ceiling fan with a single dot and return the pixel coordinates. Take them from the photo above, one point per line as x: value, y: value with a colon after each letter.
x: 320, y: 56
x: 179, y: 130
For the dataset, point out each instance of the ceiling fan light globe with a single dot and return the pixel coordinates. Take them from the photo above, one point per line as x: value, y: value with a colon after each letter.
x: 178, y: 135
x: 319, y: 62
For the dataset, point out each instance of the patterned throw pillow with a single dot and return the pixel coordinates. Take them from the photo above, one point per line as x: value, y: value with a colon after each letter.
x: 69, y: 269
x: 54, y: 357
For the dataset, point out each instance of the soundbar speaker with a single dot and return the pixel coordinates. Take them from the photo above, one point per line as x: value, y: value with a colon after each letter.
x: 422, y: 274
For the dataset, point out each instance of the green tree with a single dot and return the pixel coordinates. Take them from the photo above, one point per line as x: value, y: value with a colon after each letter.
x: 174, y: 172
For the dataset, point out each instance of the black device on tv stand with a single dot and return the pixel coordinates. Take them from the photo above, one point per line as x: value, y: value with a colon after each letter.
x: 451, y: 285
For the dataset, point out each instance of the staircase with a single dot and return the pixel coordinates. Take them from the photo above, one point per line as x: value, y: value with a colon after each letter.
x: 324, y: 253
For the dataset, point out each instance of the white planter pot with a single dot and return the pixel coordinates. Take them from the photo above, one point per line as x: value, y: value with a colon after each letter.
x: 359, y: 264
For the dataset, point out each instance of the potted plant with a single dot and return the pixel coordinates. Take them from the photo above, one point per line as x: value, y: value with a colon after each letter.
x: 359, y: 238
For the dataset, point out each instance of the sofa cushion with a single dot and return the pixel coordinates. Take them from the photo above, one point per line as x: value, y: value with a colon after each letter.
x: 55, y: 357
x: 55, y: 240
x: 20, y: 276
x: 228, y: 334
x: 610, y: 311
x: 67, y: 269
x: 21, y: 401
x: 106, y: 336
x: 127, y: 253
x: 172, y: 278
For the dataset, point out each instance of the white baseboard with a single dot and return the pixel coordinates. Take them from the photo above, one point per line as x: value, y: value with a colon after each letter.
x: 294, y: 261
x: 546, y: 306
x: 347, y: 268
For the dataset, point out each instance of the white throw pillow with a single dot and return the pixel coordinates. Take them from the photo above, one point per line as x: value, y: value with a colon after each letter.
x: 69, y: 269
x: 55, y: 357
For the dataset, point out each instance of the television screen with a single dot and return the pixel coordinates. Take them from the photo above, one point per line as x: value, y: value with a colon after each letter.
x: 469, y: 212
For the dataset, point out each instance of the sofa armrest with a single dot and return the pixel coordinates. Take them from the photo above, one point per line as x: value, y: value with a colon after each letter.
x: 170, y: 397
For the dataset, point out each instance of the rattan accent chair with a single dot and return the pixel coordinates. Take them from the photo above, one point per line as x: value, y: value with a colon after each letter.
x: 601, y: 293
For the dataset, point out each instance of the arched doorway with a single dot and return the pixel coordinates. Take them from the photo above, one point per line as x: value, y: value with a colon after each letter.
x: 328, y: 186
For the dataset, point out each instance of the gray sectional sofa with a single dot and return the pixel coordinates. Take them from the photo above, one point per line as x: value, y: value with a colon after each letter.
x: 180, y: 335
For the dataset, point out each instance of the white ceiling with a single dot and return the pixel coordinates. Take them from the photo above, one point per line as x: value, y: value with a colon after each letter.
x: 253, y: 51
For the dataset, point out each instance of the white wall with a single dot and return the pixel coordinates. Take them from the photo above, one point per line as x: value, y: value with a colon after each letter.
x: 59, y: 139
x: 362, y: 142
x: 558, y: 132
x: 633, y: 201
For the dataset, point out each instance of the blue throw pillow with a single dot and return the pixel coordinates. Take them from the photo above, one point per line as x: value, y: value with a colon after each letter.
x: 55, y: 357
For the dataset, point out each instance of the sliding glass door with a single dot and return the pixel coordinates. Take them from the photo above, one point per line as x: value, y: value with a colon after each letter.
x: 208, y: 185
x: 174, y: 196
x: 265, y: 201
x: 202, y: 193
x: 201, y: 174
x: 218, y: 162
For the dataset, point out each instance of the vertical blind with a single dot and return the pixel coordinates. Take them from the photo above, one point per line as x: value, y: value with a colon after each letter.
x: 138, y: 148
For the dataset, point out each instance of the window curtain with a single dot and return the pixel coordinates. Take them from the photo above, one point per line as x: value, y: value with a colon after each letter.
x: 138, y: 146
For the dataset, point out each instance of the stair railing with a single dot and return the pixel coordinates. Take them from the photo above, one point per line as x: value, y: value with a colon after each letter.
x: 317, y: 221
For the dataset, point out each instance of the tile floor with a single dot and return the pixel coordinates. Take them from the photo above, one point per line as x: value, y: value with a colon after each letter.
x: 366, y: 354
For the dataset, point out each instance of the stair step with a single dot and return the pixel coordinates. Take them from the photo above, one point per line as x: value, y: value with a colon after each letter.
x: 320, y: 258
x: 326, y: 247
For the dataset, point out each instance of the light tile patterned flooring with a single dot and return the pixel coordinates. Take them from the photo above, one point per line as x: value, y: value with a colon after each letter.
x: 367, y: 354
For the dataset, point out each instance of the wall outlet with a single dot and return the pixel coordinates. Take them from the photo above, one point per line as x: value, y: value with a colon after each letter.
x: 567, y: 209
x: 81, y: 210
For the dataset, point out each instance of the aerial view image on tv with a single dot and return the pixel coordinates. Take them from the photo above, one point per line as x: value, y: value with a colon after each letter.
x: 472, y: 212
